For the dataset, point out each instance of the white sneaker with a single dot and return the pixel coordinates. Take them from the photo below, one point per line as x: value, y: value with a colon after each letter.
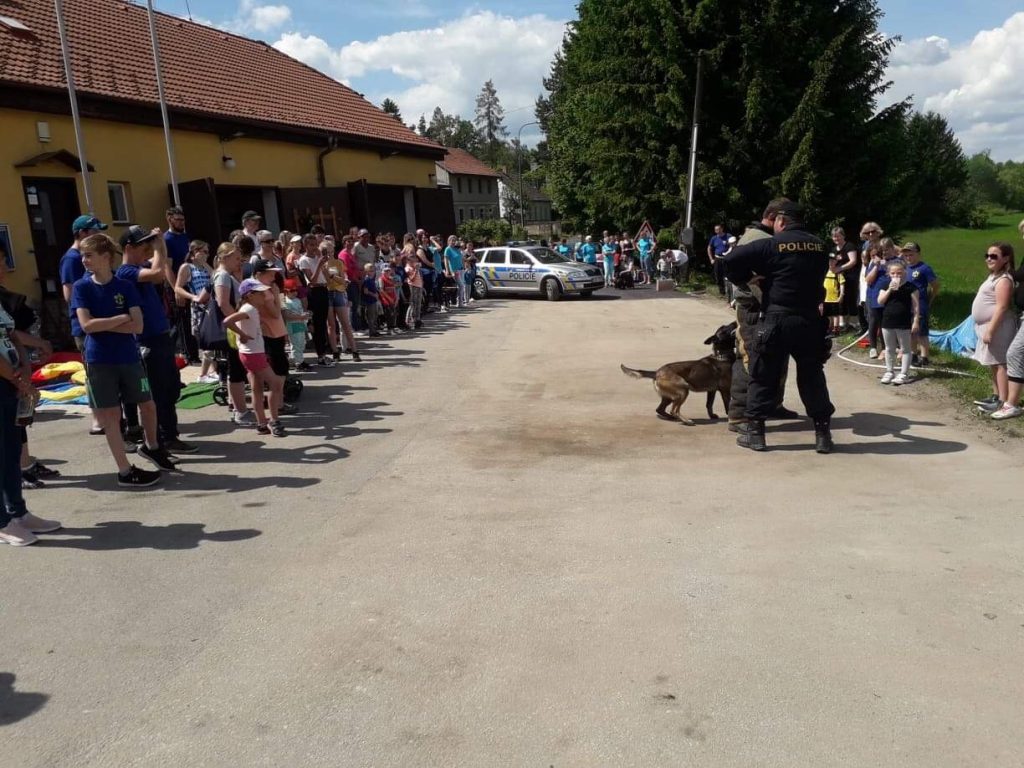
x: 900, y: 379
x: 887, y: 377
x: 210, y: 378
x: 35, y: 524
x: 16, y: 535
x: 247, y: 419
x: 873, y: 353
x: 1007, y: 412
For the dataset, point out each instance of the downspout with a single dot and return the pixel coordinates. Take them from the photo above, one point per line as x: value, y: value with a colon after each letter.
x: 321, y: 173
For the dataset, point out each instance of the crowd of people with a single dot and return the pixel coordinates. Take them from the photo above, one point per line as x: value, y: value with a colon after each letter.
x: 624, y: 259
x: 885, y: 292
x: 156, y: 298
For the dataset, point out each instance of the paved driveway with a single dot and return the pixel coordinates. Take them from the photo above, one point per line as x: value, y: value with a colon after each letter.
x: 480, y: 548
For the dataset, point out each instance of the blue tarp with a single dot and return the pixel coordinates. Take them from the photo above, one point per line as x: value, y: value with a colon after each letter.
x: 960, y: 341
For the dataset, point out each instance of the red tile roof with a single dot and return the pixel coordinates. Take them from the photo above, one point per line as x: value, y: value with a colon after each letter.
x: 461, y: 162
x: 206, y: 70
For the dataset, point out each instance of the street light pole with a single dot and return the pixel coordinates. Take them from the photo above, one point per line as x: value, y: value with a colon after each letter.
x: 519, y: 147
x: 692, y: 180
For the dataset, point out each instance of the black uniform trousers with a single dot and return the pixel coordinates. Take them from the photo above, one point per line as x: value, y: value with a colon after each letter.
x: 778, y: 337
x: 748, y: 315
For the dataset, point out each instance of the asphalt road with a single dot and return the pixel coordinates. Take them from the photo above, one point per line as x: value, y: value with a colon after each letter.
x: 480, y: 548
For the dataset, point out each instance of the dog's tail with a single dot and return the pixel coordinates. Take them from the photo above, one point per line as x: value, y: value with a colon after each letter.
x: 637, y: 374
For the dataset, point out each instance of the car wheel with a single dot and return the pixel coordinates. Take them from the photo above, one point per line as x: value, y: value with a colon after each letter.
x: 551, y: 289
x: 479, y: 288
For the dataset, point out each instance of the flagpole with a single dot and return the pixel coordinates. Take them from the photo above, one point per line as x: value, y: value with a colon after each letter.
x: 163, y: 102
x: 76, y: 119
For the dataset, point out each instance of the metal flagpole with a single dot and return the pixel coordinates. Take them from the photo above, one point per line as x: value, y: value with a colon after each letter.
x: 72, y: 95
x: 163, y: 102
x: 692, y: 181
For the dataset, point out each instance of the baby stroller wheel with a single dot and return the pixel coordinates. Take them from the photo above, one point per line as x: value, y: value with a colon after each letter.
x: 220, y: 396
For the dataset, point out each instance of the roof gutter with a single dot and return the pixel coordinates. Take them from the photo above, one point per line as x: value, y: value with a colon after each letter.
x: 321, y: 173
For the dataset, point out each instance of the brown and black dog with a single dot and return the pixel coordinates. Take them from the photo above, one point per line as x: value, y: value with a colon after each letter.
x: 710, y: 374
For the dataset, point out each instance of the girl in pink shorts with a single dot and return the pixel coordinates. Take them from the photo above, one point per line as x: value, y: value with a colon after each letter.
x: 245, y: 324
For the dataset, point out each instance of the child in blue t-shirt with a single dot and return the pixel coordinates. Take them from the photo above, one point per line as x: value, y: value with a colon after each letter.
x: 371, y: 304
x: 109, y: 312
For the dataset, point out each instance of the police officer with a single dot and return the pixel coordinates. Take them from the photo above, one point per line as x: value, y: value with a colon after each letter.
x: 791, y: 269
x: 747, y: 297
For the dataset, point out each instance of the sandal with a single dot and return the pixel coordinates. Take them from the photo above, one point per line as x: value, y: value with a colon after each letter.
x: 40, y: 470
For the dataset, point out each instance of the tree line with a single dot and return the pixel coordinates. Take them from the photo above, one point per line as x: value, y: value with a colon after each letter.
x: 791, y: 106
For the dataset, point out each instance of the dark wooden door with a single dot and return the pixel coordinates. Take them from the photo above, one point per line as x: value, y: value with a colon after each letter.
x: 202, y: 217
x: 52, y: 208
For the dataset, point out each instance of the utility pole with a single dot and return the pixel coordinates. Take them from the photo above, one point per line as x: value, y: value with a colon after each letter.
x: 692, y: 179
x: 519, y: 147
x: 76, y: 119
x: 163, y: 103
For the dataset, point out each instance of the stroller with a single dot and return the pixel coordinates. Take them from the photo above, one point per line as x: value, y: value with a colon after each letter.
x: 292, y: 384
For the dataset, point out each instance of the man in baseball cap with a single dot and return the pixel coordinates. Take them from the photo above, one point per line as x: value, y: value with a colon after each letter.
x: 146, y: 266
x: 251, y: 224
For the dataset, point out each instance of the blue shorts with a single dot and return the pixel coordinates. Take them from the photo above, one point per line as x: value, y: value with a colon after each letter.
x: 923, y: 325
x: 337, y: 299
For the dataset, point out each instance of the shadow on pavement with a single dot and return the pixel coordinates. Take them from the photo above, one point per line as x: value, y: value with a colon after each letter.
x: 130, y: 534
x: 15, y: 706
x: 873, y: 425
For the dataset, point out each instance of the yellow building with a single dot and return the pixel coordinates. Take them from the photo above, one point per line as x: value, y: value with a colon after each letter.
x: 251, y: 129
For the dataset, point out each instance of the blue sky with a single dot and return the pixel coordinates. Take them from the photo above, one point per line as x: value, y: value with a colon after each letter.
x: 425, y: 53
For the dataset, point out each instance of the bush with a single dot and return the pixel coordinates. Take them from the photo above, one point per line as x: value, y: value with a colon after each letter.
x: 480, y: 231
x: 667, y: 240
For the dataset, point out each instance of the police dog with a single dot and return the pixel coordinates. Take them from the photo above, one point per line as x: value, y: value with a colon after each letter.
x: 710, y: 374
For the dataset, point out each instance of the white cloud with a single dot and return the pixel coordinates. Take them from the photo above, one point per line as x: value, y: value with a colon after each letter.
x: 252, y: 18
x: 263, y: 18
x: 446, y: 65
x: 978, y: 86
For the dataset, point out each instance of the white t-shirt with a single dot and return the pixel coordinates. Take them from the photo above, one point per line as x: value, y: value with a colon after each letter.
x: 365, y: 254
x: 308, y: 263
x: 250, y: 327
x: 7, y: 349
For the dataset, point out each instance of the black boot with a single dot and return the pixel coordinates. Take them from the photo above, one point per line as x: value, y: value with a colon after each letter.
x: 823, y: 437
x: 784, y: 413
x: 751, y: 436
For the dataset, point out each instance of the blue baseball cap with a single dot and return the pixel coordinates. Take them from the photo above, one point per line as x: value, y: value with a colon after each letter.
x: 85, y: 221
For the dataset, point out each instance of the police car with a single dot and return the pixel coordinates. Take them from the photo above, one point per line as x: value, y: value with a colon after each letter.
x: 533, y: 269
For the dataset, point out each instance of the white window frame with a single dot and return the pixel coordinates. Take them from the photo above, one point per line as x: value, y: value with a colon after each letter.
x: 120, y: 188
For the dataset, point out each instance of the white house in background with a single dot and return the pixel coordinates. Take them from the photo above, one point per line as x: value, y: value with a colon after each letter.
x: 474, y: 186
x: 538, y: 214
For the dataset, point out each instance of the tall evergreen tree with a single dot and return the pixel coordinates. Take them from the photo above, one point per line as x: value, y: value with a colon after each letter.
x: 421, y: 126
x: 490, y: 122
x: 803, y: 123
x: 391, y: 108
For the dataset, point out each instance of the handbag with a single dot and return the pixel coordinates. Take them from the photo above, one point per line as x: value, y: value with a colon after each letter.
x: 213, y: 336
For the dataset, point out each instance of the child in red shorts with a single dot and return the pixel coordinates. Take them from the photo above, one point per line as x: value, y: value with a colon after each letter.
x: 245, y: 324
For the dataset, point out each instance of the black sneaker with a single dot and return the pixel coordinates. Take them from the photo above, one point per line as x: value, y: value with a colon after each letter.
x: 158, y: 456
x: 991, y: 400
x: 304, y: 366
x: 288, y: 409
x: 29, y: 480
x: 138, y: 478
x: 175, y: 445
x: 262, y: 429
x: 337, y: 355
x: 277, y: 429
x: 356, y: 358
x: 39, y: 470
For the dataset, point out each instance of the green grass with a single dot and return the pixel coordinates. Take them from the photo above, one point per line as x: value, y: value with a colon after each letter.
x: 956, y: 257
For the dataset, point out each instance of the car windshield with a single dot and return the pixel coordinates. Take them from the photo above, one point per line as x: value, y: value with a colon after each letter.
x: 546, y: 256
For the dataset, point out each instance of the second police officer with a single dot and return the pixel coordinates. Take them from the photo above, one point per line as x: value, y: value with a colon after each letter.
x: 790, y: 268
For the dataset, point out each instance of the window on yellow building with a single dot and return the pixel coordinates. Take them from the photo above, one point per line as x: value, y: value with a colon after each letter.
x: 117, y: 191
